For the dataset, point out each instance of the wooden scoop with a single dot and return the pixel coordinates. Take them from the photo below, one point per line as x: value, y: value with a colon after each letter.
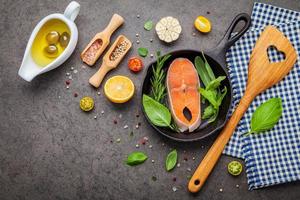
x: 98, y: 44
x: 261, y: 75
x: 111, y: 59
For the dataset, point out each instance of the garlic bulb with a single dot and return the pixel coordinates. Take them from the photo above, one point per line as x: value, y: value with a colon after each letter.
x: 168, y: 29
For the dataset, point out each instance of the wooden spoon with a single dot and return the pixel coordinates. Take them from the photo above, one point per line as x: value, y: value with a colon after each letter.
x: 98, y: 44
x: 111, y: 59
x: 261, y: 75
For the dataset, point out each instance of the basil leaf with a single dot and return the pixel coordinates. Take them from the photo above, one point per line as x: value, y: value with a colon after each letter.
x: 215, y: 83
x: 208, y: 69
x: 200, y: 67
x: 208, y: 112
x: 148, y: 25
x: 143, y: 51
x: 136, y: 158
x: 171, y: 160
x: 158, y: 114
x: 266, y: 115
x: 210, y: 95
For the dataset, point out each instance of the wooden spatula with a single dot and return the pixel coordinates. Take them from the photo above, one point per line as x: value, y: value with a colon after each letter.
x: 98, y: 44
x: 261, y: 75
x: 111, y: 59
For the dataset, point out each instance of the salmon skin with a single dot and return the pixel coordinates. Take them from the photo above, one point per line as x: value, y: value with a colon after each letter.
x: 182, y: 85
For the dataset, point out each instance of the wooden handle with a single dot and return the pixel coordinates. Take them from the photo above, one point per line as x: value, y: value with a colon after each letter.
x: 114, y: 23
x: 97, y: 78
x: 212, y: 156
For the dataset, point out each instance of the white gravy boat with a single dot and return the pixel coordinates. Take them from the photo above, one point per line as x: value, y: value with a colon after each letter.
x: 29, y: 68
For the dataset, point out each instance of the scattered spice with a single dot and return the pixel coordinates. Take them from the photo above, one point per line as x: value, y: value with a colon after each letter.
x: 95, y: 117
x: 68, y: 82
x: 154, y: 178
x: 194, y: 158
x: 138, y: 16
x: 221, y: 190
x: 137, y: 41
x: 67, y: 74
x: 137, y: 35
x: 208, y: 12
x: 237, y: 186
x: 189, y: 169
x: 102, y: 112
x: 151, y: 40
x: 72, y: 68
x: 185, y: 159
x: 125, y: 127
x: 150, y: 146
x: 131, y: 133
x: 152, y: 161
x: 98, y: 93
x: 137, y: 146
x: 137, y: 115
x: 67, y: 87
x: 174, y: 179
x: 75, y: 94
x: 118, y: 140
x: 194, y: 34
x: 178, y: 164
x: 75, y: 71
x: 115, y: 121
x: 136, y: 126
x: 174, y: 189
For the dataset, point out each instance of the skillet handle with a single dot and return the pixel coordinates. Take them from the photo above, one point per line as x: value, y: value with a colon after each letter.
x: 227, y: 41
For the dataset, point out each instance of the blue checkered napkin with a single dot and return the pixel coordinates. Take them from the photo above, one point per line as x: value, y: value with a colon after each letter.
x: 273, y: 157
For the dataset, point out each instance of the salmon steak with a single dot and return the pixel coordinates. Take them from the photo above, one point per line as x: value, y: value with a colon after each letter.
x: 183, y: 95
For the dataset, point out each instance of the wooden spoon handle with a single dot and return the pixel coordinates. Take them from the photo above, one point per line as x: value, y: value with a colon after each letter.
x: 97, y: 78
x: 114, y: 23
x: 212, y: 156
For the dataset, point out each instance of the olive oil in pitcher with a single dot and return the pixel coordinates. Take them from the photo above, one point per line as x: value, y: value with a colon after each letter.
x: 50, y: 42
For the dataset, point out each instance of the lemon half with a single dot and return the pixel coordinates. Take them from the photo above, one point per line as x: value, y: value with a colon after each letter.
x: 119, y: 89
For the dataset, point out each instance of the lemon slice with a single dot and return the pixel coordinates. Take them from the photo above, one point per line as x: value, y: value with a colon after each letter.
x: 119, y: 89
x: 86, y: 104
x: 202, y: 24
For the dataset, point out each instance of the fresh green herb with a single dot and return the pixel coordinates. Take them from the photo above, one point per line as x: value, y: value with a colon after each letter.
x: 266, y: 116
x: 200, y: 67
x: 235, y: 168
x: 158, y: 91
x: 143, y: 51
x: 148, y: 25
x: 215, y: 84
x: 211, y: 92
x: 171, y: 160
x: 208, y: 69
x: 136, y: 158
x: 158, y: 114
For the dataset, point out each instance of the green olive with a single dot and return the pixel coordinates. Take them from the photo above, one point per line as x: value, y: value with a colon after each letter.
x: 51, y: 51
x: 52, y: 37
x: 64, y: 39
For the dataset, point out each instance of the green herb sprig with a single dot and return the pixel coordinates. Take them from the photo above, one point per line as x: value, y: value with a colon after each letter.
x: 158, y: 90
x: 211, y: 92
x: 266, y: 116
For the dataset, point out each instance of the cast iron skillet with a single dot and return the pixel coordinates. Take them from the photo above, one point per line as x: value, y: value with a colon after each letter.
x: 216, y: 59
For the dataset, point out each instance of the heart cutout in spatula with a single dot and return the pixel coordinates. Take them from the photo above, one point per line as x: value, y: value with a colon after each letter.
x: 275, y: 55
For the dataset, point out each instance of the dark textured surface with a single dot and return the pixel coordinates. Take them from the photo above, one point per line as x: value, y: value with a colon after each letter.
x: 50, y: 149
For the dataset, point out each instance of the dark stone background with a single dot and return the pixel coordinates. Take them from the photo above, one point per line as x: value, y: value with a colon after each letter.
x: 50, y: 149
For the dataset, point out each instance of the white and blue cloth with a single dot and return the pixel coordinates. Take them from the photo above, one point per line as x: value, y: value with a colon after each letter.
x: 272, y: 157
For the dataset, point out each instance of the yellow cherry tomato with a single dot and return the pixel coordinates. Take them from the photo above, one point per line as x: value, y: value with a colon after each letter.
x: 202, y: 24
